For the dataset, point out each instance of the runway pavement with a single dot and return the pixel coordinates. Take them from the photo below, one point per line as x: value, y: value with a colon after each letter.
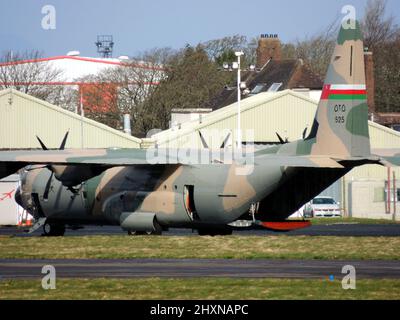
x: 340, y: 229
x: 183, y: 268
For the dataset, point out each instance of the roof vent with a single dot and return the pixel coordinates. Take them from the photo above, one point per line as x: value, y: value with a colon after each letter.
x: 73, y: 53
x: 123, y: 58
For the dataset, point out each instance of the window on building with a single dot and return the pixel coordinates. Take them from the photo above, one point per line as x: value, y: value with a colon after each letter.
x: 379, y: 194
x: 391, y: 195
x: 258, y: 88
x: 275, y: 87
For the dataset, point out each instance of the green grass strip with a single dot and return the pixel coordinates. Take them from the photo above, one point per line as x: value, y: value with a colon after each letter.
x: 200, y: 288
x: 229, y: 247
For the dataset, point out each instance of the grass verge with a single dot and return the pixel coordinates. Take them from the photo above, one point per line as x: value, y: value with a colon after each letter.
x: 209, y: 288
x: 231, y: 247
x: 330, y: 221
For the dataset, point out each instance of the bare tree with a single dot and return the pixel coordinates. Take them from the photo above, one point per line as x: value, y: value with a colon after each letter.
x: 316, y: 51
x: 122, y: 90
x: 215, y: 48
x: 26, y: 72
x: 378, y: 28
x: 382, y: 37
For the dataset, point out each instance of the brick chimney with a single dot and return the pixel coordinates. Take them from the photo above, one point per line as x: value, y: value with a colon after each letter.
x: 269, y: 47
x: 370, y: 81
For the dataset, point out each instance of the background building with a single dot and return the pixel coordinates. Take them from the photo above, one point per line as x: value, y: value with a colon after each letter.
x: 272, y: 73
x: 23, y: 117
x: 105, y: 88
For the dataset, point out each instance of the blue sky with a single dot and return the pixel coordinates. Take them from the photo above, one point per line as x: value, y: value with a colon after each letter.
x: 139, y: 25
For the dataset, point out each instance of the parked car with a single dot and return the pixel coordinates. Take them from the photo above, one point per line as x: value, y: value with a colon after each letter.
x: 322, y: 207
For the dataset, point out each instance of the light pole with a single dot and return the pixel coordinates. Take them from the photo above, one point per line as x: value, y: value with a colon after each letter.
x: 238, y: 54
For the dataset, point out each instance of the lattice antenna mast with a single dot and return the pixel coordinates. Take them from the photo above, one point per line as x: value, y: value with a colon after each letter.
x: 105, y: 45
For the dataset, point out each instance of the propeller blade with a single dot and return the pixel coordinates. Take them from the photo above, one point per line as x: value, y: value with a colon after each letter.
x: 47, y: 188
x: 203, y: 141
x: 304, y: 132
x: 35, y: 167
x: 42, y: 144
x: 280, y: 138
x: 64, y: 141
x: 225, y: 141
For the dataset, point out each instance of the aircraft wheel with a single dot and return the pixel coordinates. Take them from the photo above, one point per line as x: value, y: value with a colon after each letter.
x: 53, y: 230
x: 136, y: 233
x: 157, y: 231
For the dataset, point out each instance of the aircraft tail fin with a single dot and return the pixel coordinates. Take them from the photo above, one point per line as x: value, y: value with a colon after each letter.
x: 340, y: 126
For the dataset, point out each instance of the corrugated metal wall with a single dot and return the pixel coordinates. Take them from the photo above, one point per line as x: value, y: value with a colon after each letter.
x: 286, y: 112
x: 23, y: 117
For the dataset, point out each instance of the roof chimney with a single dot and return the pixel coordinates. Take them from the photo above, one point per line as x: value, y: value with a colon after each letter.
x: 269, y: 47
x: 127, y: 124
x: 370, y: 81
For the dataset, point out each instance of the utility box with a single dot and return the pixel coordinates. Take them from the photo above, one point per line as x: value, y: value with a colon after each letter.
x: 10, y: 212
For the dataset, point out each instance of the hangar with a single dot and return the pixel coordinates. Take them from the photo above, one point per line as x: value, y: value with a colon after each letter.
x: 23, y: 117
x: 362, y: 193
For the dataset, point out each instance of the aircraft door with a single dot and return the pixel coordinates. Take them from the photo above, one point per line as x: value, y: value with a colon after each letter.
x: 189, y: 201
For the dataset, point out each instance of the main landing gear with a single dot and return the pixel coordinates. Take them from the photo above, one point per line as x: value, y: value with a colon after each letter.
x: 53, y: 229
x: 157, y: 230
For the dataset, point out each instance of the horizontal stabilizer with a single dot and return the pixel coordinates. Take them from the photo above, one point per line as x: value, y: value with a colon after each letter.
x: 388, y: 157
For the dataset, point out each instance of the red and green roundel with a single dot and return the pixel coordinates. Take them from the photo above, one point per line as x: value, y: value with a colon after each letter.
x: 344, y: 92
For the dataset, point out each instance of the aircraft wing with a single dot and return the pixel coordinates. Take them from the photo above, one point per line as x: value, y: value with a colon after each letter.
x: 97, y: 160
x: 101, y: 159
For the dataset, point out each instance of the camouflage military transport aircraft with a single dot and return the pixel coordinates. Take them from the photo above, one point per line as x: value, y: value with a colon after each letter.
x: 123, y: 187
